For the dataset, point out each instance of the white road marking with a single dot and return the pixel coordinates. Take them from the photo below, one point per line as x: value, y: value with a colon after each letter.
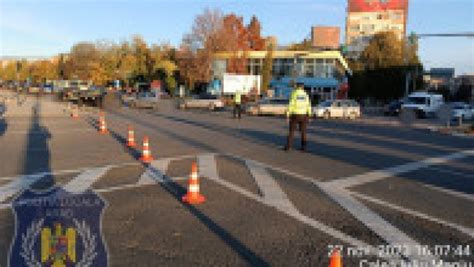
x: 208, y: 161
x: 17, y: 185
x: 155, y: 172
x: 207, y: 166
x: 271, y: 191
x: 85, y: 180
x: 457, y: 173
x: 369, y: 218
x: 60, y: 172
x: 136, y: 185
x: 397, y: 170
x: 466, y: 230
x: 469, y: 197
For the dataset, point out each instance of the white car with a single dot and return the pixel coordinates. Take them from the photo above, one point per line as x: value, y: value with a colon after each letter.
x: 269, y: 106
x: 145, y: 100
x: 462, y: 110
x: 343, y: 108
x: 423, y: 104
x: 210, y: 102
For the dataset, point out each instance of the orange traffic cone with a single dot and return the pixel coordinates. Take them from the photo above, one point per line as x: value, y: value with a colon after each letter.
x: 335, y: 260
x: 131, y: 137
x: 193, y: 196
x: 146, y: 155
x: 102, y: 124
x: 74, y: 113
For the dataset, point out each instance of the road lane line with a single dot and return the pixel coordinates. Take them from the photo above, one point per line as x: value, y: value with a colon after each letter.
x: 17, y: 185
x: 60, y: 172
x: 207, y: 168
x: 465, y: 230
x: 85, y: 180
x: 468, y: 197
x: 271, y: 191
x: 457, y: 173
x: 397, y: 170
x: 155, y: 172
x: 372, y: 220
x: 136, y: 185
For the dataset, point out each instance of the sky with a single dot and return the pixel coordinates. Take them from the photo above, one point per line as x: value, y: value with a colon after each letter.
x: 49, y: 27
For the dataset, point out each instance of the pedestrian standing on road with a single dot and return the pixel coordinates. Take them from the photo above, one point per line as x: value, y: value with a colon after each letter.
x: 237, y: 104
x: 298, y: 113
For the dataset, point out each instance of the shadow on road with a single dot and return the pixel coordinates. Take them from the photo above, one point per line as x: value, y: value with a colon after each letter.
x: 177, y: 191
x: 37, y: 154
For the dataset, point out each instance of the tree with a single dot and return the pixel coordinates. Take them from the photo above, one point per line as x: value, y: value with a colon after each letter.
x: 256, y: 42
x: 143, y: 63
x: 380, y: 71
x: 302, y: 46
x: 267, y: 69
x: 126, y: 63
x: 83, y: 60
x: 198, y: 47
x: 10, y: 71
x: 43, y: 70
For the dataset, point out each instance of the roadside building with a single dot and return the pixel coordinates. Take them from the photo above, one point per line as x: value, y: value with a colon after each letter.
x: 464, y: 87
x: 368, y: 17
x: 324, y: 73
x: 439, y: 79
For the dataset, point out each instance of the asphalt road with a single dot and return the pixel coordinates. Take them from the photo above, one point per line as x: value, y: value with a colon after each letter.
x: 360, y: 185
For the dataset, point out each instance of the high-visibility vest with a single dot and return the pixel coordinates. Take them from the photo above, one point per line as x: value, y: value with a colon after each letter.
x: 238, y: 98
x: 299, y: 103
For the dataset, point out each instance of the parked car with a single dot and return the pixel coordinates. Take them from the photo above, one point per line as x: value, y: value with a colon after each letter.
x: 145, y: 100
x: 47, y: 88
x: 393, y: 108
x: 462, y: 110
x: 343, y: 108
x: 128, y: 97
x: 423, y: 104
x: 269, y: 106
x: 210, y: 102
x: 34, y: 89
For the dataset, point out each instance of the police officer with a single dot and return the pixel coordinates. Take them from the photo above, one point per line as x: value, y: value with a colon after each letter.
x: 299, y: 112
x: 237, y: 104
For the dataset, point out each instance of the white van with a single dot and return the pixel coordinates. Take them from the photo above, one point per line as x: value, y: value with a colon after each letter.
x: 423, y: 103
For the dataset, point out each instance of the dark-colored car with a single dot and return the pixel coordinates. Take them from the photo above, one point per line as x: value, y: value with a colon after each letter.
x: 393, y: 108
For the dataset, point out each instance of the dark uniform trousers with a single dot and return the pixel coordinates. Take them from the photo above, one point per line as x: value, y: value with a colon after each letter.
x: 301, y: 121
x: 237, y: 111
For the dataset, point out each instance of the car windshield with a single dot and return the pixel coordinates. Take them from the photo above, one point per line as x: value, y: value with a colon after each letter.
x: 326, y: 104
x: 279, y: 101
x: 417, y: 100
x: 208, y: 97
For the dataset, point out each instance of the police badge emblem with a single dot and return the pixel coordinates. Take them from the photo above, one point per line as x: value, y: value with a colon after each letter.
x: 57, y: 228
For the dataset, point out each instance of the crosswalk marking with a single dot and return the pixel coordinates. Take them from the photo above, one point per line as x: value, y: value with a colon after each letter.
x: 466, y: 230
x: 85, y: 180
x: 155, y: 172
x: 271, y: 191
x: 207, y: 166
x: 17, y: 185
x: 370, y: 219
x: 397, y: 170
